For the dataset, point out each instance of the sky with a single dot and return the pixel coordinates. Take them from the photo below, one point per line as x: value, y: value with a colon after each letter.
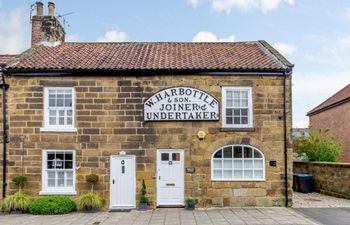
x: 312, y: 34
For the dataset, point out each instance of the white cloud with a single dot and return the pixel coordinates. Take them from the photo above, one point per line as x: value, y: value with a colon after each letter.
x: 72, y: 38
x: 206, y: 36
x: 244, y: 5
x: 113, y: 36
x: 301, y: 123
x: 285, y: 48
x: 12, y: 31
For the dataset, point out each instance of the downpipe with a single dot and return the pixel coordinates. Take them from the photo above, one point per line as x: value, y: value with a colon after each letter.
x: 285, y: 136
x: 4, y: 87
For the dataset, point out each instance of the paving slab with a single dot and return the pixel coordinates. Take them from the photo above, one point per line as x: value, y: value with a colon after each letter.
x: 222, y: 216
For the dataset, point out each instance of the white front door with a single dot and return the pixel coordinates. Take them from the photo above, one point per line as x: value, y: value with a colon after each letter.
x: 170, y: 177
x: 123, y: 179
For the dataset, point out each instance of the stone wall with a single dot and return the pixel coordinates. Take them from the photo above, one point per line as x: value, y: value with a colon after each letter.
x: 109, y: 119
x: 330, y: 178
x: 337, y: 120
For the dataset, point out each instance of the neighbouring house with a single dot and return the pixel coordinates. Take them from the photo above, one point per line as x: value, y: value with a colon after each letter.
x: 205, y: 120
x: 334, y: 114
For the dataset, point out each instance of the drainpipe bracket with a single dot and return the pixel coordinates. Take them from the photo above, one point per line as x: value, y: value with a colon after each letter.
x: 6, y: 86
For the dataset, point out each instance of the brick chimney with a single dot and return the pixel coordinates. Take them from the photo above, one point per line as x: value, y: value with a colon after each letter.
x: 46, y: 28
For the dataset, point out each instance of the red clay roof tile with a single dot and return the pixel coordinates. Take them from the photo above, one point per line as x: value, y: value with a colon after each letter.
x: 151, y: 56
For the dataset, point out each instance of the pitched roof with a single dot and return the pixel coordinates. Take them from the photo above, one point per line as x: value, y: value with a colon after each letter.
x: 152, y: 56
x: 4, y: 59
x: 338, y: 98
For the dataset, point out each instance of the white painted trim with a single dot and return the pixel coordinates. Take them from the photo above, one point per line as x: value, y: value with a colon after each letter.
x: 182, y: 152
x: 236, y: 180
x: 57, y: 128
x: 250, y: 107
x: 111, y: 183
x: 56, y: 191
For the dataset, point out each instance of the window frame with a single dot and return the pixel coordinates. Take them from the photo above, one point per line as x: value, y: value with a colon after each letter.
x: 250, y: 123
x: 242, y: 179
x: 45, y: 190
x: 57, y: 128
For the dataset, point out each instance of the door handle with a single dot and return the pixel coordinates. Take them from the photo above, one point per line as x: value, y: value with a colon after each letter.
x: 113, y: 181
x: 158, y: 177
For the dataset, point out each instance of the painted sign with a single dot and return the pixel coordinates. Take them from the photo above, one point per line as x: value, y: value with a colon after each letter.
x: 181, y: 103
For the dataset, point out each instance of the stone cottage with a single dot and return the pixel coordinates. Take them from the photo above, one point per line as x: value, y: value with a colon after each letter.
x: 210, y: 121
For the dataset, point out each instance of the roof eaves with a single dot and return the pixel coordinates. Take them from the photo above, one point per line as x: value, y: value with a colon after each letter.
x: 276, y: 55
x: 315, y: 110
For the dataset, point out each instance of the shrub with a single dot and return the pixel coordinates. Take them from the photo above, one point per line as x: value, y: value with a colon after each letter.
x: 92, y: 179
x: 143, y: 198
x: 19, y: 181
x: 89, y: 201
x: 320, y: 146
x: 190, y: 202
x: 52, y: 205
x: 18, y: 201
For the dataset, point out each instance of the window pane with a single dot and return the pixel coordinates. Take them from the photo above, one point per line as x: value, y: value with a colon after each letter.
x: 229, y: 120
x: 229, y: 94
x: 244, y: 112
x: 50, y: 165
x: 237, y: 152
x: 69, y: 112
x: 68, y: 156
x: 236, y: 103
x: 244, y: 103
x: 258, y: 174
x: 244, y: 94
x: 51, y: 175
x: 258, y: 164
x: 69, y: 183
x: 59, y: 102
x: 175, y: 157
x: 165, y: 156
x: 52, y: 113
x: 248, y: 152
x: 68, y: 102
x: 229, y: 112
x: 238, y: 164
x: 69, y: 174
x: 51, y: 156
x: 248, y: 164
x: 227, y: 164
x: 60, y: 93
x: 61, y: 120
x: 237, y: 112
x: 60, y: 179
x: 227, y: 174
x: 217, y: 164
x: 60, y: 155
x: 236, y: 94
x: 51, y: 182
x: 217, y: 174
x: 52, y: 121
x: 69, y: 121
x: 257, y: 154
x: 248, y: 174
x: 68, y: 164
x: 244, y: 120
x: 218, y: 154
x: 236, y: 120
x: 237, y: 174
x: 228, y: 152
x: 229, y: 103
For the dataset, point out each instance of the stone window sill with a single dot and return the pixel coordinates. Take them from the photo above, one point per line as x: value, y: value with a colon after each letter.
x: 58, y: 129
x: 247, y: 129
x: 57, y: 193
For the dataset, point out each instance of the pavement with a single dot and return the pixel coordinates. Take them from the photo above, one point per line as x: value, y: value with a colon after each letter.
x: 226, y: 216
x: 328, y: 216
x: 324, y: 209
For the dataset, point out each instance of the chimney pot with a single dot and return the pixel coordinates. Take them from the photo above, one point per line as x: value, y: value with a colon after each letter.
x: 39, y: 8
x: 51, y: 6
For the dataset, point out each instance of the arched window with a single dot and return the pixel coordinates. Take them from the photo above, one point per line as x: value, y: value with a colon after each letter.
x: 237, y: 163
